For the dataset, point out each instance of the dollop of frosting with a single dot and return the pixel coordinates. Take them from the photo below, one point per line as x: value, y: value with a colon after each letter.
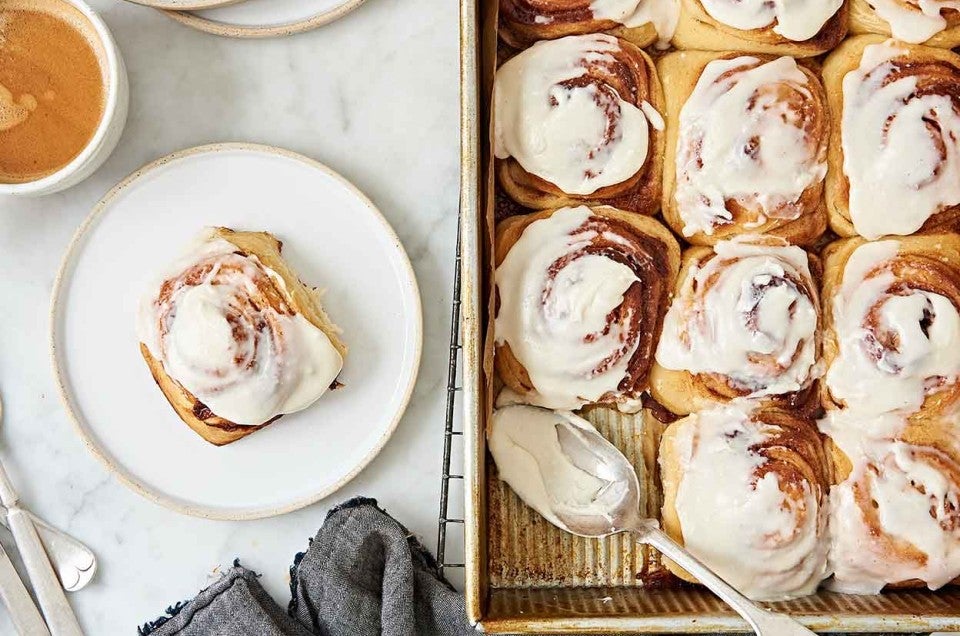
x: 558, y: 311
x: 896, y: 343
x: 796, y: 20
x: 536, y: 451
x: 914, y: 21
x: 747, y: 312
x: 561, y: 122
x: 662, y: 14
x: 896, y: 517
x: 901, y: 145
x: 221, y: 328
x: 759, y: 526
x: 775, y: 152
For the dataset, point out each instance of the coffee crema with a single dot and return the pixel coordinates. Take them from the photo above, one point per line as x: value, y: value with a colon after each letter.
x: 52, y: 87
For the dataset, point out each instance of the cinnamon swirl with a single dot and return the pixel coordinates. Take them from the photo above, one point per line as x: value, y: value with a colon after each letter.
x: 742, y: 324
x: 745, y: 491
x: 802, y: 29
x: 578, y: 120
x: 234, y: 339
x: 895, y: 511
x: 580, y: 298
x: 642, y: 22
x: 764, y: 174
x: 892, y: 337
x: 894, y: 158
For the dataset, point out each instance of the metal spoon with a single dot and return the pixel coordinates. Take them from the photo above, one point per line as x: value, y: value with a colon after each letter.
x: 74, y: 562
x: 615, y: 508
x: 46, y: 586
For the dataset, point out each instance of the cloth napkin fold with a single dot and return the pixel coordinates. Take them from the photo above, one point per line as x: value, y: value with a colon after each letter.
x: 363, y: 573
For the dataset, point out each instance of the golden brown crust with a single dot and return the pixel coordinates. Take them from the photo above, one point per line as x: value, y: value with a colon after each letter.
x: 682, y: 392
x: 523, y: 22
x: 698, y: 30
x: 794, y: 451
x: 680, y: 72
x: 939, y: 69
x: 863, y: 19
x: 635, y: 80
x: 928, y: 262
x: 653, y: 254
x: 195, y: 414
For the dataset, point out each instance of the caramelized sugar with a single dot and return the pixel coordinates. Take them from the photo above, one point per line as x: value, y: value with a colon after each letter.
x: 52, y: 87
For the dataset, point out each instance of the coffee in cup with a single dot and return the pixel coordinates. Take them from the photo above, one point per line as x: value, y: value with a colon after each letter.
x: 53, y: 87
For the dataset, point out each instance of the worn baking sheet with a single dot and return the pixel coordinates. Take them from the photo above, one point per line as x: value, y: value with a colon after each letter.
x: 526, y: 577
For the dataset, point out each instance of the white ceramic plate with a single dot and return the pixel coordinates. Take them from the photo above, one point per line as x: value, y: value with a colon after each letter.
x: 266, y: 18
x: 184, y: 5
x: 333, y: 237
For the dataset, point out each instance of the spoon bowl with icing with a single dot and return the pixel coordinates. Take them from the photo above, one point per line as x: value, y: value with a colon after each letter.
x: 564, y: 469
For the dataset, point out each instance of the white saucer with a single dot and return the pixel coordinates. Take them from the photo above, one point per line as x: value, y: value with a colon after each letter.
x: 184, y: 5
x: 333, y: 237
x: 266, y: 18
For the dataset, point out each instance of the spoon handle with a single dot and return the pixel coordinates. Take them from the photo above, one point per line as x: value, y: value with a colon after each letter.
x: 763, y: 621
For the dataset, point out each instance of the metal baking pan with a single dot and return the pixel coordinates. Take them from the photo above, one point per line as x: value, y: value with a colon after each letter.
x: 524, y: 576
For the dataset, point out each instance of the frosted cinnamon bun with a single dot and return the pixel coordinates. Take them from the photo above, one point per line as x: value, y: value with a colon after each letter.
x: 578, y: 120
x: 892, y: 336
x: 803, y: 28
x: 895, y: 511
x: 747, y: 147
x: 894, y: 159
x: 234, y: 339
x: 745, y: 491
x: 580, y: 298
x: 930, y: 22
x: 743, y: 323
x: 641, y: 22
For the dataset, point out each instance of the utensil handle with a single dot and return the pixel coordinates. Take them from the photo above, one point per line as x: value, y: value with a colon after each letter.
x: 763, y: 622
x: 24, y: 614
x: 56, y: 610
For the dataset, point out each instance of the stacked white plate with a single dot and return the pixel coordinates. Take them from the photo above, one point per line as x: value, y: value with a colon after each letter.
x: 254, y: 18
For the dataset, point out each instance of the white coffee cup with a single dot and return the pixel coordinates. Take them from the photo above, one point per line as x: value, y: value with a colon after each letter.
x: 108, y: 131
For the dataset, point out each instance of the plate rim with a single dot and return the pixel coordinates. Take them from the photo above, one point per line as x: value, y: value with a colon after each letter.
x: 224, y: 29
x: 60, y: 377
x: 185, y: 5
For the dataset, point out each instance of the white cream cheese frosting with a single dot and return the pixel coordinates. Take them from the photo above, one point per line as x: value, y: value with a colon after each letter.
x: 902, y: 170
x: 897, y: 516
x: 745, y: 313
x: 796, y: 20
x: 916, y: 21
x: 247, y: 364
x: 528, y: 445
x: 766, y: 159
x: 547, y: 321
x: 662, y: 14
x: 736, y: 518
x: 579, y: 136
x: 870, y: 377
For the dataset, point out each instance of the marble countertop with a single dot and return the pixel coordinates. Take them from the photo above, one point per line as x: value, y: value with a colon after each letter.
x: 374, y: 96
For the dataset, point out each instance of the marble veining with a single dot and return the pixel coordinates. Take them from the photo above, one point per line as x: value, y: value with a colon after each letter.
x: 374, y: 96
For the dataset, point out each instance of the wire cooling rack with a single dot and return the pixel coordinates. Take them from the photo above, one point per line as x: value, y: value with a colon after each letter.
x: 451, y: 435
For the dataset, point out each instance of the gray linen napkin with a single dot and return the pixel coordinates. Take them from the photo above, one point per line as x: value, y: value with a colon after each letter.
x: 363, y: 574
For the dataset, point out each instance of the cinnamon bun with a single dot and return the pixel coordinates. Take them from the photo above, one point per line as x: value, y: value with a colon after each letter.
x: 743, y: 323
x: 580, y: 298
x: 930, y: 22
x: 895, y: 511
x: 892, y: 337
x: 234, y: 339
x: 578, y: 120
x: 745, y: 491
x: 802, y: 29
x: 761, y: 174
x: 894, y: 158
x: 641, y: 22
